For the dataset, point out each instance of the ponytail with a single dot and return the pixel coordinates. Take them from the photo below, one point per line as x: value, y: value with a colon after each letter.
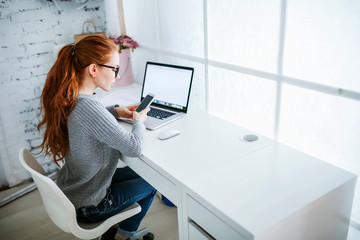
x: 61, y: 88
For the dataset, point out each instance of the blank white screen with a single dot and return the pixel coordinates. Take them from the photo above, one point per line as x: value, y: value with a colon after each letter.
x: 169, y: 84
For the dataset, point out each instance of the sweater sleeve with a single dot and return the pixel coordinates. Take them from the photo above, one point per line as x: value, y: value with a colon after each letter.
x: 111, y: 109
x: 100, y: 123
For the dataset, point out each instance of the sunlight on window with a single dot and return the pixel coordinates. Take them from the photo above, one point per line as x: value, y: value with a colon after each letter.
x: 181, y: 27
x: 325, y: 50
x: 242, y: 33
x: 243, y: 99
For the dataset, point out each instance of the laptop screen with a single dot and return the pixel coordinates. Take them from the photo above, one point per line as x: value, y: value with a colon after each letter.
x: 171, y: 85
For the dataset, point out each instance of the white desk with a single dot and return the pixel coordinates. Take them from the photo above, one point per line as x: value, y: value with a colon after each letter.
x: 274, y: 193
x: 230, y: 189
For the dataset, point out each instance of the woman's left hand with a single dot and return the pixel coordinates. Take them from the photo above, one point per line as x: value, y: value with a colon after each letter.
x: 126, y: 112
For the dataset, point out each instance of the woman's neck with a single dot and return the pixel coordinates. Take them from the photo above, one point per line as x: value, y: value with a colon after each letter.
x: 87, y: 86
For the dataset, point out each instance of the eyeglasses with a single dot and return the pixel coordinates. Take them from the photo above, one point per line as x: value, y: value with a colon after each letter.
x: 115, y: 69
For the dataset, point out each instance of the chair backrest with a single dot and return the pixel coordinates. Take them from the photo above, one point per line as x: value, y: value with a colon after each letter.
x: 59, y: 208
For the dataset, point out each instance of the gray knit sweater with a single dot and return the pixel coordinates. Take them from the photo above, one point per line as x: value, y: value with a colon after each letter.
x: 95, y: 142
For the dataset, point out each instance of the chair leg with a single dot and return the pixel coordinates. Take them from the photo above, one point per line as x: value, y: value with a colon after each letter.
x: 139, y: 234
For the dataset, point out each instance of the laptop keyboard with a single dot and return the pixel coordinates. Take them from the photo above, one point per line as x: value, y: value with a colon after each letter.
x: 160, y: 114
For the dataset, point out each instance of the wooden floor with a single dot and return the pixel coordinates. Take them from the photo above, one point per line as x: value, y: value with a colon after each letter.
x: 26, y: 218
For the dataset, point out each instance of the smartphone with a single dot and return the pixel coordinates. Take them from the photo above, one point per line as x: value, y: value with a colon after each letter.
x: 145, y: 102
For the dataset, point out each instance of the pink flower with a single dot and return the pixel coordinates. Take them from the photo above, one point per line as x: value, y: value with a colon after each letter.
x: 124, y: 42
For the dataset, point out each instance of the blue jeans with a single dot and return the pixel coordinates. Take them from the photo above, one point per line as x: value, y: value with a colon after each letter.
x: 126, y: 189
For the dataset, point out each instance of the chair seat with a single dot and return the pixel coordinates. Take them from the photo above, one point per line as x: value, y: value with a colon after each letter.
x: 88, y: 225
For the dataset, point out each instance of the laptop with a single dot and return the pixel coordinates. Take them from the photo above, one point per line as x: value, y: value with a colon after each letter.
x: 171, y: 85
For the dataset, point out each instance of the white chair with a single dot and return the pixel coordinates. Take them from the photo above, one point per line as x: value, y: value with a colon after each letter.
x: 62, y: 212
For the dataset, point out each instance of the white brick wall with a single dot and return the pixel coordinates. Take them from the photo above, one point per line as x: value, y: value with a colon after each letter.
x: 29, y: 32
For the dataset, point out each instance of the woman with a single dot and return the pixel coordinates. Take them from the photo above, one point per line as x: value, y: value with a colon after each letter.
x: 81, y: 131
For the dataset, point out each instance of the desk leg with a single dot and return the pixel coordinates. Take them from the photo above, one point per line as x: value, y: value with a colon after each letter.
x: 182, y: 216
x: 180, y: 223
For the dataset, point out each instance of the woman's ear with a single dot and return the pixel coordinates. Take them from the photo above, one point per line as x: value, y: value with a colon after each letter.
x: 92, y: 70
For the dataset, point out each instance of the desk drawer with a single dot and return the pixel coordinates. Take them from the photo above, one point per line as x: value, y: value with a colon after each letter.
x: 210, y: 223
x: 196, y: 233
x: 152, y: 176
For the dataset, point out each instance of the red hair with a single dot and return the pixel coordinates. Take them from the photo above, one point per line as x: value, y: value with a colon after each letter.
x: 61, y: 88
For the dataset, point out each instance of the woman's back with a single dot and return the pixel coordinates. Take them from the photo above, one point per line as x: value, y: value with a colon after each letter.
x: 90, y: 163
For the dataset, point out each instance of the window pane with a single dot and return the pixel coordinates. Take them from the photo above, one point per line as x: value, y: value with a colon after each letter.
x: 322, y: 42
x: 323, y: 126
x: 181, y: 26
x: 244, y: 33
x: 242, y: 99
x: 140, y: 21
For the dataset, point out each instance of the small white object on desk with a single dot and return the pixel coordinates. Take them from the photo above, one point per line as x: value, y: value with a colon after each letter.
x: 169, y: 133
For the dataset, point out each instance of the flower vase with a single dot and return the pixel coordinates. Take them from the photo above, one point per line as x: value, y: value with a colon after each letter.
x: 125, y: 71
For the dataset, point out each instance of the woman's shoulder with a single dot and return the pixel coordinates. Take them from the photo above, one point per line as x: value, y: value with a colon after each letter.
x: 88, y: 101
x: 87, y: 105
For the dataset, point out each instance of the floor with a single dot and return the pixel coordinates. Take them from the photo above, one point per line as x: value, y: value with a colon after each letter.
x: 26, y: 218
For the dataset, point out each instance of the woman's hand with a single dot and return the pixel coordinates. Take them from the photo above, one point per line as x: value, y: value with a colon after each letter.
x: 141, y: 116
x: 126, y: 112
